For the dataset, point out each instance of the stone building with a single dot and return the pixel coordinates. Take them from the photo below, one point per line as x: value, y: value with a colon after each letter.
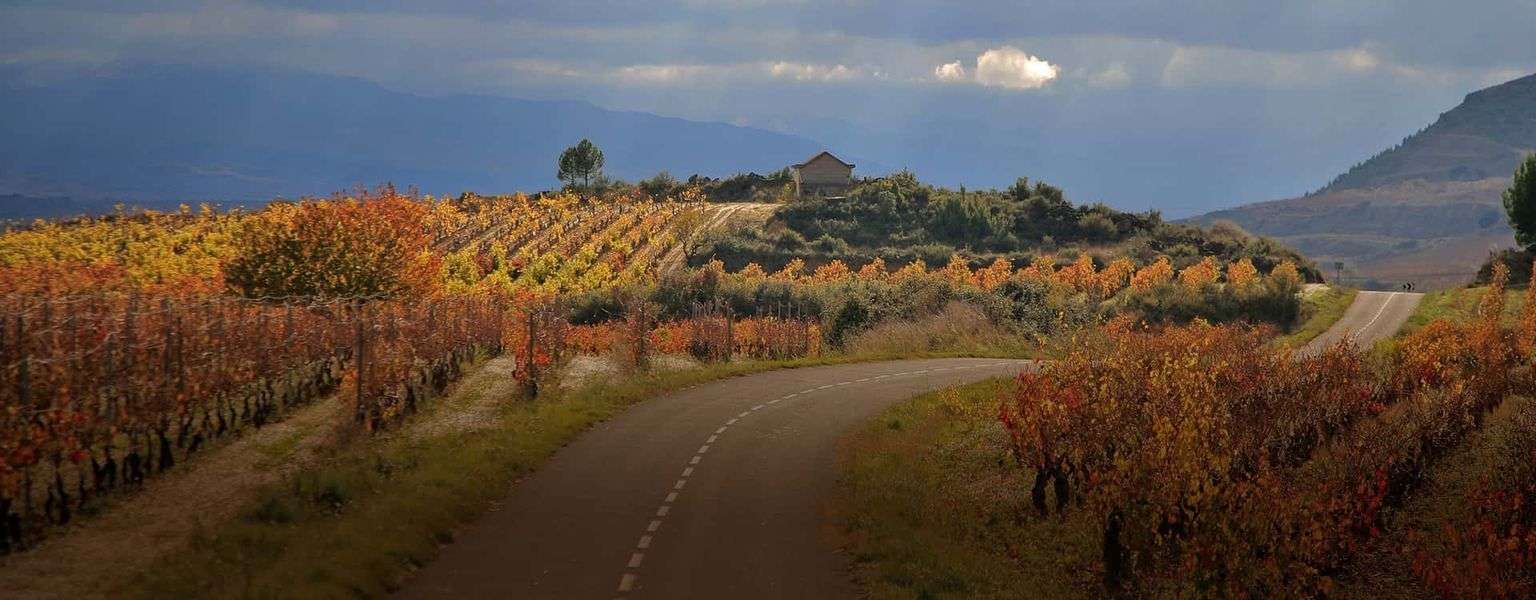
x: 823, y: 175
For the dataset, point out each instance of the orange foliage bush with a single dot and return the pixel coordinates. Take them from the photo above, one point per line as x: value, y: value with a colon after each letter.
x: 1153, y: 275
x: 833, y: 271
x: 1241, y: 274
x: 374, y: 246
x: 873, y: 270
x: 1042, y: 268
x: 994, y: 274
x: 1079, y: 276
x: 1286, y: 273
x: 1199, y: 274
x: 1113, y: 278
x: 1218, y: 462
x: 958, y: 272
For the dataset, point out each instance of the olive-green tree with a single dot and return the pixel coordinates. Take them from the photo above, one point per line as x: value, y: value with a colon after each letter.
x: 581, y: 162
x: 1520, y: 203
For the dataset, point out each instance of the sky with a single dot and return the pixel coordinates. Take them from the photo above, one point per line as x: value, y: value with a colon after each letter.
x: 1183, y: 105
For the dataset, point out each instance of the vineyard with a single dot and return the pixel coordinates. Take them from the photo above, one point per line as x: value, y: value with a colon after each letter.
x: 131, y: 343
x: 135, y: 341
x: 1215, y: 464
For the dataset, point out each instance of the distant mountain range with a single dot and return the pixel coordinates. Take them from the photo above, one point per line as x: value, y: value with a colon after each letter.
x: 1426, y: 211
x: 160, y: 136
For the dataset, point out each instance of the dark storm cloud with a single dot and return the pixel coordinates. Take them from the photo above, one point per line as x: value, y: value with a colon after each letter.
x: 1277, y: 95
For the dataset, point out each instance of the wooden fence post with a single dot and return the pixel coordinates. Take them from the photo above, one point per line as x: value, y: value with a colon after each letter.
x: 23, y: 367
x: 530, y: 373
x: 359, y: 357
x: 730, y: 335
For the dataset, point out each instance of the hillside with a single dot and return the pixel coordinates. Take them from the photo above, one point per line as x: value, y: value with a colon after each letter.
x: 1484, y: 137
x: 177, y: 134
x: 1426, y: 211
x: 899, y: 220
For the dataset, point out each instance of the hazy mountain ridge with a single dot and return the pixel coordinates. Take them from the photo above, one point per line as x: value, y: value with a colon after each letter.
x: 1483, y: 137
x: 1427, y: 211
x: 170, y: 135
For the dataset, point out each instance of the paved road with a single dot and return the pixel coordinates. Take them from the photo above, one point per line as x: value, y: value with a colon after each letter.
x: 712, y: 492
x: 1372, y: 317
x: 717, y: 491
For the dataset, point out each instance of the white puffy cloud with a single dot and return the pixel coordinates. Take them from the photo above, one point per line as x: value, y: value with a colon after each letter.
x: 950, y: 72
x: 1012, y: 68
x: 1005, y: 67
x: 811, y: 72
x: 1114, y: 76
x: 668, y: 74
x: 1204, y: 66
x: 1357, y: 59
x: 665, y: 73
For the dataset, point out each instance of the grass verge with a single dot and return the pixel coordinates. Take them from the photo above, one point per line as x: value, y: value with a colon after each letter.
x: 932, y: 507
x: 1385, y: 571
x: 1460, y: 304
x: 1319, y: 311
x: 376, y: 508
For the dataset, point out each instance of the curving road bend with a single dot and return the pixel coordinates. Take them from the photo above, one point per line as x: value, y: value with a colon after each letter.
x: 716, y: 491
x: 1372, y: 317
x: 711, y: 492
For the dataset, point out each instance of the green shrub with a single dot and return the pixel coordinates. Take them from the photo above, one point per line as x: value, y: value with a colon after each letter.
x: 1267, y: 302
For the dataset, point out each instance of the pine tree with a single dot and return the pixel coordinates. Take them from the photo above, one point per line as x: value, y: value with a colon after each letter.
x: 1520, y: 203
x: 582, y: 161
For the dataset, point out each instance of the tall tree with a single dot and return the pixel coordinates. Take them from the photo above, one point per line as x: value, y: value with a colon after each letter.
x: 1520, y: 203
x: 582, y: 161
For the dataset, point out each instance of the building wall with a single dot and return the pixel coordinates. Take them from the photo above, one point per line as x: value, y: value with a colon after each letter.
x: 825, y: 171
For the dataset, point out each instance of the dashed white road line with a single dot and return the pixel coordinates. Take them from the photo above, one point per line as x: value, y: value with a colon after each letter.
x: 1380, y: 311
x: 629, y: 578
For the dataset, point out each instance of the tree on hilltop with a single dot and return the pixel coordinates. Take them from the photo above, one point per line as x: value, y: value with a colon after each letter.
x: 582, y: 161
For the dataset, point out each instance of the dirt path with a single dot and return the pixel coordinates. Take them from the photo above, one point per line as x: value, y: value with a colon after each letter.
x: 101, y: 553
x: 721, y: 215
x: 104, y: 553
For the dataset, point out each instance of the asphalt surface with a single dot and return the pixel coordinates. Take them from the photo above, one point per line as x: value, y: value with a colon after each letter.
x: 717, y: 491
x: 1372, y: 317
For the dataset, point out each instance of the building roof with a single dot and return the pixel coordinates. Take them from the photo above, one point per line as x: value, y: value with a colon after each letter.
x: 826, y: 154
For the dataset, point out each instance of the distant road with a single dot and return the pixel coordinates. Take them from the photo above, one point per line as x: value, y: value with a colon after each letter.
x: 718, y: 215
x: 711, y: 492
x: 1373, y: 316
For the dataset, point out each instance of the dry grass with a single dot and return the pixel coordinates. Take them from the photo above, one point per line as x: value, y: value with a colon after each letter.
x: 103, y: 553
x: 355, y: 524
x: 933, y: 507
x: 960, y: 327
x: 1460, y: 305
x: 1384, y: 571
x: 1320, y: 309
